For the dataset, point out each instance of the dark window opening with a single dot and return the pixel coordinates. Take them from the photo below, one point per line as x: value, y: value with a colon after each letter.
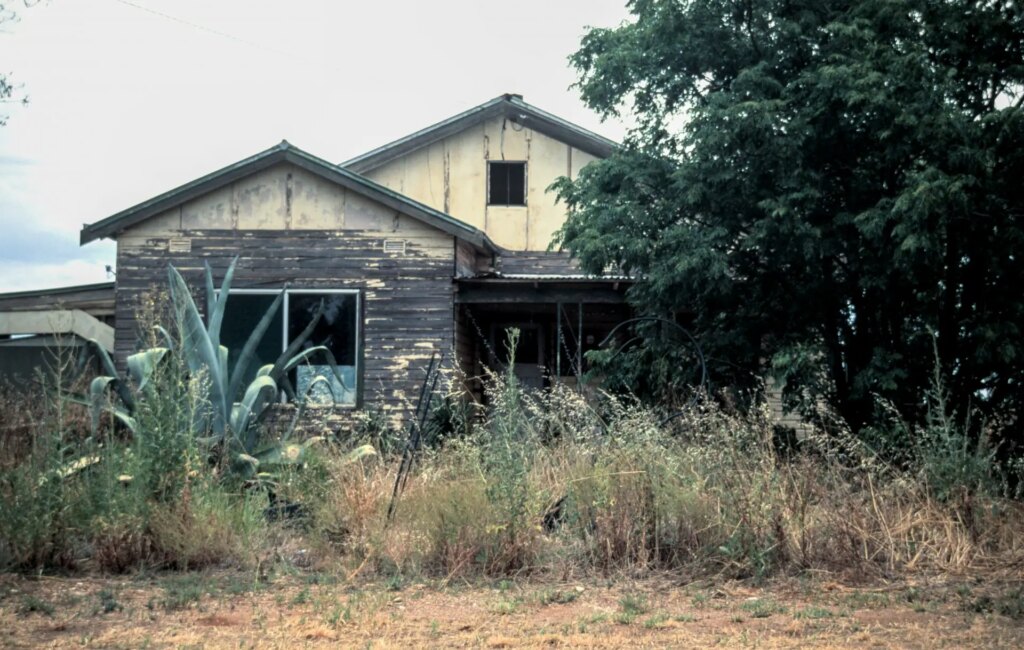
x: 243, y: 312
x: 337, y: 331
x: 507, y: 183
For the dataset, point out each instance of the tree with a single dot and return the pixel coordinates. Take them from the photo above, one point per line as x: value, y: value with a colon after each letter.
x: 9, y: 91
x: 825, y: 185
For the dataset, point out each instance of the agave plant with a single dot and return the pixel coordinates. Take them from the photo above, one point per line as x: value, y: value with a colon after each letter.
x: 141, y: 366
x: 233, y: 420
x: 234, y: 415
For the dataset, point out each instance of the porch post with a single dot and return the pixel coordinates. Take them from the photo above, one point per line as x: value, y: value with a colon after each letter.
x: 579, y: 349
x: 558, y: 341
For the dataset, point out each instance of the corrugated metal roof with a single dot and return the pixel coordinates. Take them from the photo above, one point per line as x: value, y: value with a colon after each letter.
x: 560, y: 277
x: 57, y: 291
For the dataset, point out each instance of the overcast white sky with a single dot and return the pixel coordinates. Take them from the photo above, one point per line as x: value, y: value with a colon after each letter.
x: 130, y: 98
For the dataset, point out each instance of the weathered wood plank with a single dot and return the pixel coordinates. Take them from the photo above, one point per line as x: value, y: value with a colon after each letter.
x: 408, y: 300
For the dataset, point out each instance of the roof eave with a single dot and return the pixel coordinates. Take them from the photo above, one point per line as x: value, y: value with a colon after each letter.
x: 119, y: 222
x: 56, y: 291
x: 565, y: 130
x: 505, y: 105
x: 285, y: 153
x: 424, y: 137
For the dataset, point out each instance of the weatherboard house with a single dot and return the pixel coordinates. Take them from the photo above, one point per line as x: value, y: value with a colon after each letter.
x: 431, y: 245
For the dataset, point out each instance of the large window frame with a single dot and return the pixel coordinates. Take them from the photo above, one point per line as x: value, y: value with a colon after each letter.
x: 285, y: 314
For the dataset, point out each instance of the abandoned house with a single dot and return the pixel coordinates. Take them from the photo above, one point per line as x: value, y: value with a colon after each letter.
x: 432, y: 244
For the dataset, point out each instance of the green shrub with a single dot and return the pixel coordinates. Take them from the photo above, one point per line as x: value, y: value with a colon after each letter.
x: 372, y: 427
x: 48, y: 498
x: 121, y: 499
x: 505, y: 448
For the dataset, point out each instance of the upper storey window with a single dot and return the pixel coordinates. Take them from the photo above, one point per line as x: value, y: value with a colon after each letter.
x: 506, y: 183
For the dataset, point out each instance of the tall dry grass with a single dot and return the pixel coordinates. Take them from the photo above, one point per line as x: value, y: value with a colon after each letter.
x: 552, y: 483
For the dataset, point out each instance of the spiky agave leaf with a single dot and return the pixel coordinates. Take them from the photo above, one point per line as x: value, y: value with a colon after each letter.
x: 248, y: 353
x: 294, y: 355
x: 142, y: 365
x: 98, y: 404
x: 217, y: 303
x: 165, y: 335
x: 246, y: 413
x: 304, y: 403
x: 97, y: 399
x: 110, y: 370
x: 199, y: 350
x: 307, y: 354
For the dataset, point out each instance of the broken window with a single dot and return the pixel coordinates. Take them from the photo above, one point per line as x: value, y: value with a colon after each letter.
x: 506, y: 183
x: 337, y: 330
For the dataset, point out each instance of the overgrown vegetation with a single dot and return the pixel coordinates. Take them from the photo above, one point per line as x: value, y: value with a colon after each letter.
x: 548, y: 483
x: 77, y: 496
x: 555, y: 485
x: 171, y: 469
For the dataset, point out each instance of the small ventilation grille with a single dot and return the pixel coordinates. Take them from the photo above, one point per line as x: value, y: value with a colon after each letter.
x: 394, y: 246
x: 179, y: 245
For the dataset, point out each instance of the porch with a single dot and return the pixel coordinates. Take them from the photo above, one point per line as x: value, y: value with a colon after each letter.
x: 559, y: 318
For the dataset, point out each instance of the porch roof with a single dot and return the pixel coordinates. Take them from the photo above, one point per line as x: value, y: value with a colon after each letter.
x: 560, y: 277
x: 498, y: 288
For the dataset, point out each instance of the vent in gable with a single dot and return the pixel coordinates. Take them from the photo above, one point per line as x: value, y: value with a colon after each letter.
x: 394, y: 246
x: 179, y: 245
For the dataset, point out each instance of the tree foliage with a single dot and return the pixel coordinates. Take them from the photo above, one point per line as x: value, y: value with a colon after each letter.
x: 822, y: 185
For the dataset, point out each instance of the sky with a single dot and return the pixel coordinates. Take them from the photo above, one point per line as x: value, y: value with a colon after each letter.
x: 131, y: 98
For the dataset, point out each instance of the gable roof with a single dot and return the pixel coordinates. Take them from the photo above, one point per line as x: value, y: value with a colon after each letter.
x: 286, y: 153
x: 508, y: 105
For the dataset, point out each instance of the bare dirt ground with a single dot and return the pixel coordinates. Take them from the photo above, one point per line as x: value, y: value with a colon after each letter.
x: 238, y: 610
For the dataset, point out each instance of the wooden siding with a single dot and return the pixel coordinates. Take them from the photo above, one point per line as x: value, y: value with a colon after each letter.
x: 450, y: 175
x: 407, y: 298
x: 466, y: 354
x: 538, y: 262
x: 470, y: 262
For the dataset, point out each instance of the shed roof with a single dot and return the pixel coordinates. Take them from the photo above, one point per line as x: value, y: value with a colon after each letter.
x: 509, y: 105
x: 285, y: 153
x: 82, y: 296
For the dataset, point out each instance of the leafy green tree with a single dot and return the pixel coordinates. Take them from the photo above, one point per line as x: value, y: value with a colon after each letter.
x: 820, y: 186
